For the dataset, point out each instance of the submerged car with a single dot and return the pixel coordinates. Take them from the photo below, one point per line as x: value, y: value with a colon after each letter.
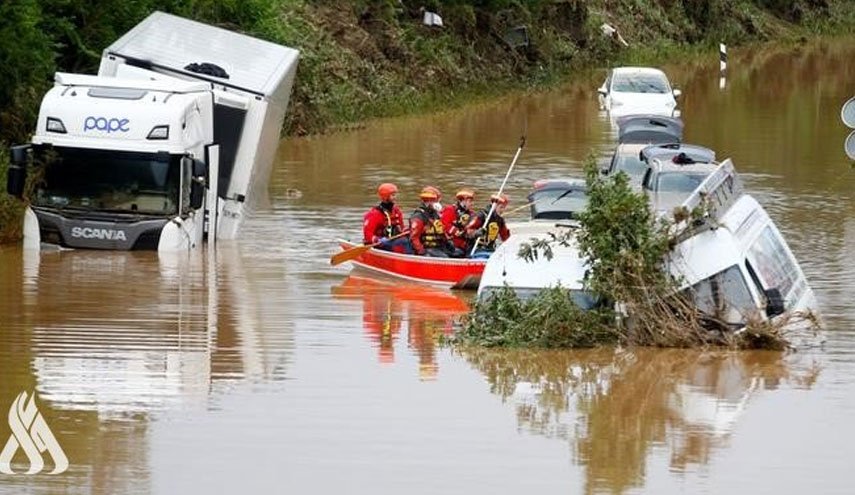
x: 555, y: 207
x: 633, y: 90
x: 637, y: 133
x: 669, y: 181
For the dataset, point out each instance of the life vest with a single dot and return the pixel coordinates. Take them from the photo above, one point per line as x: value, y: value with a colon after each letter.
x: 434, y: 234
x: 391, y: 226
x: 491, y: 230
x: 463, y: 217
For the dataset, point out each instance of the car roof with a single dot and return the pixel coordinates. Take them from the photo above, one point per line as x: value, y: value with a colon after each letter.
x: 668, y: 165
x: 667, y: 151
x: 636, y: 70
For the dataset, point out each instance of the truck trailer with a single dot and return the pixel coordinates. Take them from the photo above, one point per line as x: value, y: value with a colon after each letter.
x: 171, y: 143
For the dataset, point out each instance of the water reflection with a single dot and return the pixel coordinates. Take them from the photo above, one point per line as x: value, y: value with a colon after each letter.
x: 615, y: 406
x: 114, y: 338
x: 389, y: 306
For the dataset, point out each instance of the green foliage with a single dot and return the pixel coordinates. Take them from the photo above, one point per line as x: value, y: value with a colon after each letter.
x: 549, y: 320
x: 28, y: 64
x: 10, y: 208
x: 619, y: 235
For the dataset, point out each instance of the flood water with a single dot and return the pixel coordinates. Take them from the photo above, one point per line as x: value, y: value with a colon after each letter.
x: 260, y: 368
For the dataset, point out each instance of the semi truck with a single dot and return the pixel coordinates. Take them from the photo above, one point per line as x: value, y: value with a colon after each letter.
x: 169, y: 145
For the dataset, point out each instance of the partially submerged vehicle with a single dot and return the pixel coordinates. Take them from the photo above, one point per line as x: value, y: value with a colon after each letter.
x: 555, y: 206
x: 632, y: 90
x: 733, y: 262
x: 668, y: 182
x: 637, y: 133
x: 171, y: 142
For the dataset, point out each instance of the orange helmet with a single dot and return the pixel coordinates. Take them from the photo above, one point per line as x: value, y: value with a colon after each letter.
x: 465, y: 194
x: 429, y: 193
x: 436, y: 190
x: 385, y: 191
x: 499, y: 198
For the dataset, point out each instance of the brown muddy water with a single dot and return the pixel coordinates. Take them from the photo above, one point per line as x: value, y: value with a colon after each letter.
x: 263, y: 369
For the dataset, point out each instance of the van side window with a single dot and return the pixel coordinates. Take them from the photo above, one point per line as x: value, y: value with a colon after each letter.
x: 725, y: 296
x: 773, y: 264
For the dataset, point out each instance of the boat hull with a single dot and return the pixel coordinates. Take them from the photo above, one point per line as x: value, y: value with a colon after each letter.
x: 454, y: 273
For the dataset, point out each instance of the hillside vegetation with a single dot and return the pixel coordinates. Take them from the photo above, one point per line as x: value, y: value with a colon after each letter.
x: 362, y: 59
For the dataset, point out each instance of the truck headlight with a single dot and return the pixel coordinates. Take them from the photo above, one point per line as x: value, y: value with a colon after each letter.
x: 159, y: 132
x: 55, y: 125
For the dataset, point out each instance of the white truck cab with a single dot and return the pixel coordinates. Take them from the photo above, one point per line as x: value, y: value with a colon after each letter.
x: 172, y: 142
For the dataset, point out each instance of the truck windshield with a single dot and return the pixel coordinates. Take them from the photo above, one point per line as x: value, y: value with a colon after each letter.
x: 98, y: 180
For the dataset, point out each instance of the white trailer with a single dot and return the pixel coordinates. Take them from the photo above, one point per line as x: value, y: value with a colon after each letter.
x: 172, y: 141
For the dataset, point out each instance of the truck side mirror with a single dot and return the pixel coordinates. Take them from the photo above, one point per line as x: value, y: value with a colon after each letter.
x: 16, y: 175
x: 197, y: 186
x: 774, y: 302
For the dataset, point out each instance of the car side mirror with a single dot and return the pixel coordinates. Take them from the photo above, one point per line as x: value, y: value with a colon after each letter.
x: 16, y: 175
x: 602, y: 92
x: 677, y: 93
x: 774, y: 302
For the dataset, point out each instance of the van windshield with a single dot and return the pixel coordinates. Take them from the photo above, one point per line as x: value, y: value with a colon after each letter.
x: 102, y: 180
x: 724, y: 296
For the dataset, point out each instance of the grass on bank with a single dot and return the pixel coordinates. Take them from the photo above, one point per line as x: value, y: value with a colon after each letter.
x: 627, y: 249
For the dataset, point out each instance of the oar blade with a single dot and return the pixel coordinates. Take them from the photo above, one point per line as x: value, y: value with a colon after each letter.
x: 348, y: 254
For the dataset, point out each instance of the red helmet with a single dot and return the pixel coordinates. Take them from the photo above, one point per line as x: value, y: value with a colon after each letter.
x: 465, y: 194
x: 385, y: 191
x: 429, y: 193
x: 499, y: 198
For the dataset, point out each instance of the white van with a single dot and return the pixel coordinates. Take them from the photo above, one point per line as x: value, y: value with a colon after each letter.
x: 742, y: 269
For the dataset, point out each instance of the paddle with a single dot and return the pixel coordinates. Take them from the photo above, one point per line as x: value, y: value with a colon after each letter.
x: 356, y: 251
x: 501, y: 188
